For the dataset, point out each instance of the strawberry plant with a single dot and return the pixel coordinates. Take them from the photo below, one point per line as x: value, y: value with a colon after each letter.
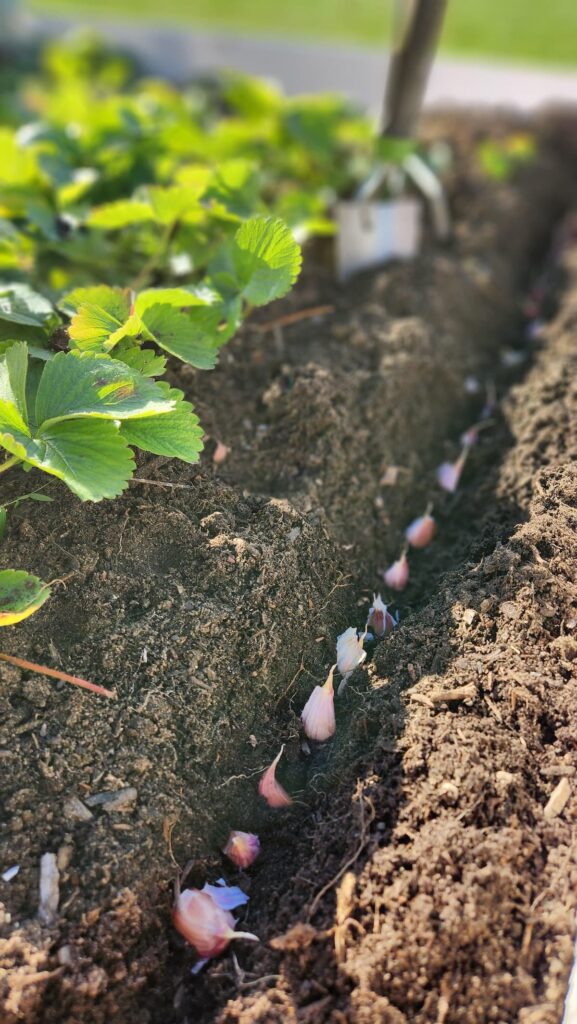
x: 78, y: 414
x: 126, y: 181
x: 140, y: 222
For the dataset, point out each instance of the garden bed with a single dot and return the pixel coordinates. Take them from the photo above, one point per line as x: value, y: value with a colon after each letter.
x: 211, y: 606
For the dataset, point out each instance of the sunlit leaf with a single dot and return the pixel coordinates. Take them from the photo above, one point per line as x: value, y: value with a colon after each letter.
x: 181, y: 298
x: 101, y: 317
x: 266, y: 259
x: 191, y: 336
x: 119, y: 214
x: 177, y: 435
x: 104, y: 388
x: 90, y: 456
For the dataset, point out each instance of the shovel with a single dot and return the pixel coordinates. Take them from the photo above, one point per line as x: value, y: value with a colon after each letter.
x: 372, y: 231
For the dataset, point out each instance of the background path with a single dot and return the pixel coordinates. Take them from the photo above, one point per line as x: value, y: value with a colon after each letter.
x: 312, y: 67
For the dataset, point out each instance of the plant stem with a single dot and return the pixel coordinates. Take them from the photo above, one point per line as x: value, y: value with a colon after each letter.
x: 22, y: 497
x: 9, y: 463
x: 43, y: 670
x: 157, y: 257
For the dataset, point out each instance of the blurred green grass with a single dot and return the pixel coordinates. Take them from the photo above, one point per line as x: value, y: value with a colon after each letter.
x: 519, y: 30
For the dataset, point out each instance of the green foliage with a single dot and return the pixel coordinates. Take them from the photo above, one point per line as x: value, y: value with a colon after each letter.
x: 19, y: 304
x: 68, y: 422
x: 135, y: 226
x: 21, y: 594
x: 500, y: 159
x: 138, y: 224
x: 266, y: 260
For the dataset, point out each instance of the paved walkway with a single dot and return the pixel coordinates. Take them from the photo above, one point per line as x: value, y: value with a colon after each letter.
x: 179, y: 52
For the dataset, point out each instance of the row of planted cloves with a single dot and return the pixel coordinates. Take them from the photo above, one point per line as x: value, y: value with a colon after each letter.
x: 203, y: 916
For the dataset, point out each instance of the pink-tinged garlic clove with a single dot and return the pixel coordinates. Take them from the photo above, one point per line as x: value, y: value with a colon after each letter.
x: 350, y: 651
x: 449, y: 473
x: 421, y: 531
x: 221, y: 452
x: 242, y: 848
x: 272, y: 791
x: 397, y: 575
x: 318, y: 714
x: 470, y: 437
x: 204, y: 924
x: 380, y: 619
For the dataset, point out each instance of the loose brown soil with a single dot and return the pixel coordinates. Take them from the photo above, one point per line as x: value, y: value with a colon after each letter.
x: 212, y: 609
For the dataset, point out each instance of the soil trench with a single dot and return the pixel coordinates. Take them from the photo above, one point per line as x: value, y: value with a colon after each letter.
x: 460, y: 906
x: 213, y: 608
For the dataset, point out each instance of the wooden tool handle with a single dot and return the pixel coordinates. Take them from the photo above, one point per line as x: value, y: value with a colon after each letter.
x: 410, y: 65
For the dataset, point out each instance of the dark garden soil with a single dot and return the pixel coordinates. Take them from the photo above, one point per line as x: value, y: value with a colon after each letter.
x: 421, y: 874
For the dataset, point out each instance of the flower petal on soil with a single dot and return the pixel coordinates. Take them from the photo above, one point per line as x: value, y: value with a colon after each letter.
x: 227, y: 897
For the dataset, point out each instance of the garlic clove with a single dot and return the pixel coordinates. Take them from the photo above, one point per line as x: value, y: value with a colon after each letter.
x: 272, y: 791
x: 421, y: 531
x: 380, y: 619
x: 204, y: 924
x: 318, y: 714
x: 242, y: 848
x: 350, y: 651
x: 470, y: 437
x: 397, y: 575
x: 449, y: 473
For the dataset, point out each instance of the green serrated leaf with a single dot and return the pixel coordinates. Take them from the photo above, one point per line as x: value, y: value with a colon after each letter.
x: 119, y: 214
x: 195, y: 177
x: 20, y: 304
x: 266, y: 259
x: 171, y: 203
x: 112, y: 299
x: 73, y: 386
x: 21, y: 594
x: 102, y: 323
x: 176, y: 435
x: 182, y: 298
x: 191, y: 336
x: 89, y: 455
x: 13, y: 373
